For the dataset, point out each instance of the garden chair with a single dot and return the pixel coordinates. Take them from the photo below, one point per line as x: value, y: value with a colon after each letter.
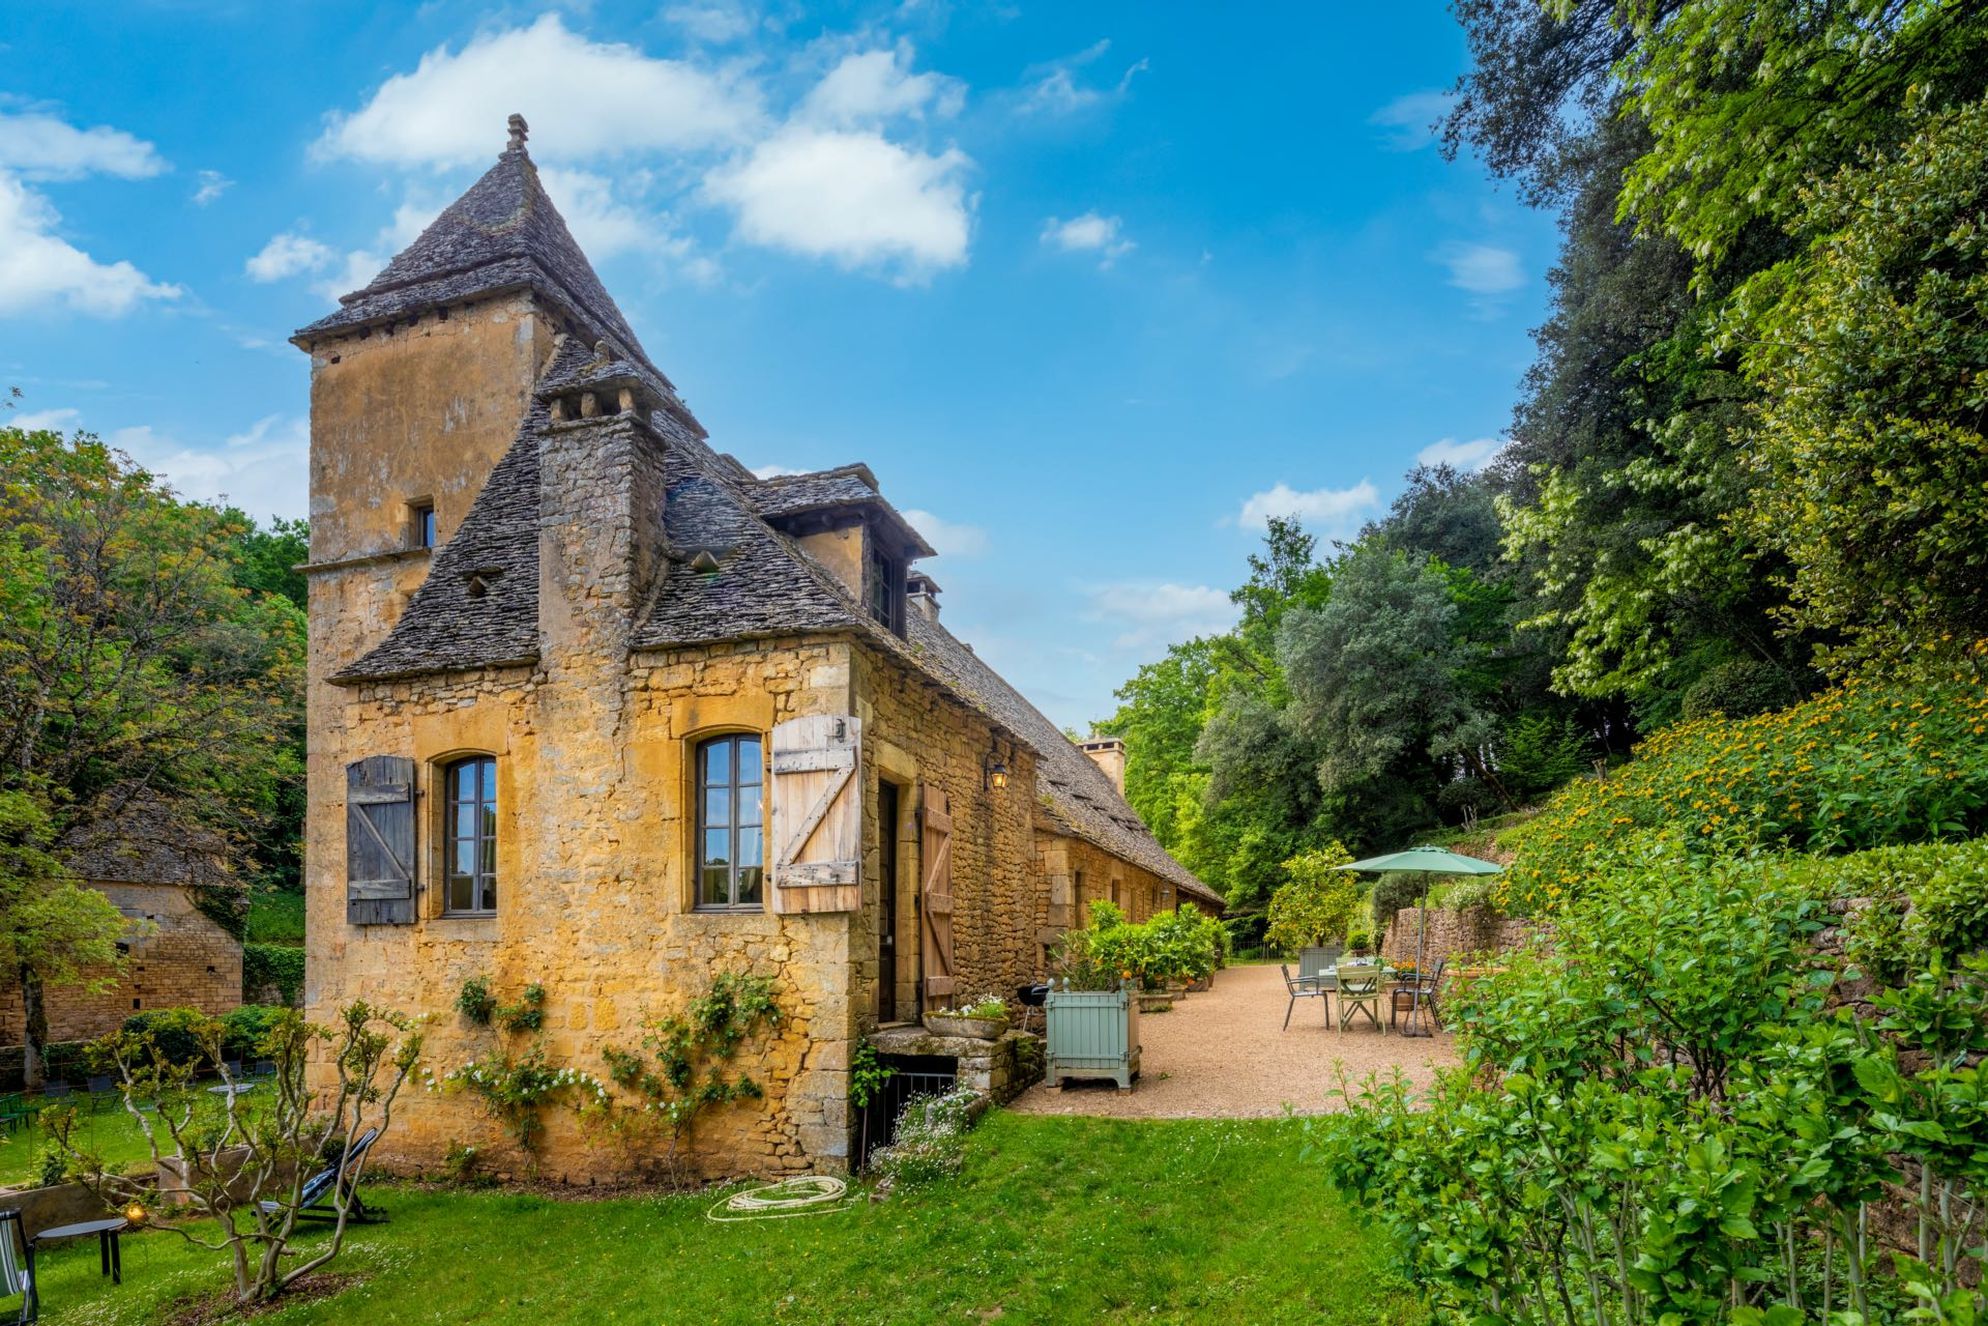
x: 315, y: 1200
x: 102, y: 1090
x: 1302, y: 987
x: 1425, y: 988
x: 17, y: 1265
x: 56, y: 1090
x: 13, y: 1111
x: 1359, y: 992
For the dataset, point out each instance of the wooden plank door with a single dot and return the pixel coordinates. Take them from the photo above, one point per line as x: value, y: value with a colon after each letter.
x: 817, y: 821
x: 935, y: 926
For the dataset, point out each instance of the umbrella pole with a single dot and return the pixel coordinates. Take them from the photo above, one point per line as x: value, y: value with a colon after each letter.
x: 1414, y: 1027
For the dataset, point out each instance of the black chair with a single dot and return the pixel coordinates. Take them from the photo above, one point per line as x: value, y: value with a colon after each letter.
x: 102, y: 1090
x: 1425, y: 988
x: 315, y: 1200
x: 17, y: 1265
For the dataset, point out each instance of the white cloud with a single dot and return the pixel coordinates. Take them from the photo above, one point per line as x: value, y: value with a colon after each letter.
x: 872, y: 86
x: 774, y: 471
x: 1089, y: 233
x: 39, y: 269
x: 212, y: 185
x: 1152, y: 615
x: 1472, y: 455
x: 1482, y: 269
x: 41, y: 147
x: 287, y: 255
x: 584, y: 99
x: 1410, y: 120
x: 947, y: 538
x: 1056, y: 89
x: 263, y: 470
x: 1325, y: 511
x: 713, y: 23
x: 59, y: 420
x: 855, y: 198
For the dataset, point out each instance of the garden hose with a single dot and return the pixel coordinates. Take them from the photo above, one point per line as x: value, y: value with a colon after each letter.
x: 808, y: 1194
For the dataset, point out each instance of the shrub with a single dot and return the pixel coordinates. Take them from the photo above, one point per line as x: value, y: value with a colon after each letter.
x: 1539, y: 754
x: 176, y: 1036
x: 475, y: 1002
x: 1739, y: 689
x: 930, y: 1141
x: 1179, y: 945
x: 1854, y: 768
x: 280, y: 965
x: 1317, y: 903
x: 245, y: 1031
x: 1394, y: 891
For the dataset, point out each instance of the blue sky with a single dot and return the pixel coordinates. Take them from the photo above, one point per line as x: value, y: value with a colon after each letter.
x: 1093, y: 288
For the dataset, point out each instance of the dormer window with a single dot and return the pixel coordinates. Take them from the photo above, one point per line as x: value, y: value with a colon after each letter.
x: 421, y: 524
x: 883, y: 587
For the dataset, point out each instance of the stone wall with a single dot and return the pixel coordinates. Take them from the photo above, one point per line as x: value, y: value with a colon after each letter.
x: 1453, y: 934
x: 185, y: 961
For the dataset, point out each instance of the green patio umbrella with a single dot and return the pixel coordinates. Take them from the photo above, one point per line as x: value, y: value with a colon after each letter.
x: 1427, y: 861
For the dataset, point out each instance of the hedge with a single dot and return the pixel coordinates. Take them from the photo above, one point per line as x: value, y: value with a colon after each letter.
x: 280, y: 965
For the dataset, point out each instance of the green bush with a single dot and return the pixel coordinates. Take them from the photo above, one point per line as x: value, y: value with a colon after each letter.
x: 1854, y: 768
x: 280, y: 965
x: 245, y: 1030
x: 1179, y: 945
x: 1739, y: 689
x: 177, y: 1035
x: 1394, y: 891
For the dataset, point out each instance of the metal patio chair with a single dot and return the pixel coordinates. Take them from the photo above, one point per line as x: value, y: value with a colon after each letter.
x: 315, y: 1199
x: 1360, y: 992
x: 1302, y: 987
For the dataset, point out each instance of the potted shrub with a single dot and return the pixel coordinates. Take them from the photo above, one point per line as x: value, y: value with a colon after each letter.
x: 1360, y: 942
x: 1091, y: 1012
x: 982, y: 1019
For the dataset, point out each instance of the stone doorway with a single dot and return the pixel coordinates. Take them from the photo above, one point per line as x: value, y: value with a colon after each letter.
x: 887, y: 833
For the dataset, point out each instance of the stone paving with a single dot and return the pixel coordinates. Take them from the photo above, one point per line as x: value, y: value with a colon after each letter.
x: 1224, y: 1054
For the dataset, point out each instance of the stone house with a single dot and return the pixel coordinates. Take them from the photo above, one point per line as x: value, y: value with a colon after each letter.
x: 593, y: 707
x: 155, y: 871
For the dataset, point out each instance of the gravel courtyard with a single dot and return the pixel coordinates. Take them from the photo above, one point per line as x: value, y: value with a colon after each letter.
x: 1222, y: 1054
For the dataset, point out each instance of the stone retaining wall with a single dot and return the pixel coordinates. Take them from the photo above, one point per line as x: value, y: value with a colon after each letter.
x: 1453, y: 934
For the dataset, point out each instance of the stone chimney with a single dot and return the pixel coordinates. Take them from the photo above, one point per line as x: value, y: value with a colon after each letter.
x: 1108, y: 754
x: 922, y: 593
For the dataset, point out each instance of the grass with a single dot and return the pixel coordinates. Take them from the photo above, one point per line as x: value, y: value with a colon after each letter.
x: 276, y: 918
x: 1054, y: 1220
x: 109, y: 1132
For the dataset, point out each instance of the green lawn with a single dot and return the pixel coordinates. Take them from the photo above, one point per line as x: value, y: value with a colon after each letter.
x: 1055, y: 1220
x: 111, y: 1133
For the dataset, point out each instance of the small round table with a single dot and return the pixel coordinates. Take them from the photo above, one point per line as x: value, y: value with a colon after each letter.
x: 107, y: 1249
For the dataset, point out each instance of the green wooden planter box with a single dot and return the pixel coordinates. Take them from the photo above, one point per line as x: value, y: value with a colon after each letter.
x: 1092, y: 1033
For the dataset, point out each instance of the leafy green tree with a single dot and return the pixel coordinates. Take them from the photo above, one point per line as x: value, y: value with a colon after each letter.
x: 134, y: 673
x: 1374, y: 678
x: 1871, y: 442
x: 1316, y: 903
x: 1446, y: 514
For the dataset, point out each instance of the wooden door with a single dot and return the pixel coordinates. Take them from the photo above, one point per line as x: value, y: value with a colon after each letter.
x: 379, y: 841
x: 935, y: 864
x: 887, y: 806
x: 817, y: 820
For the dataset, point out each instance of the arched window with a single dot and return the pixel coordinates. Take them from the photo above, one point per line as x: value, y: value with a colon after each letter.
x: 469, y: 835
x: 730, y: 810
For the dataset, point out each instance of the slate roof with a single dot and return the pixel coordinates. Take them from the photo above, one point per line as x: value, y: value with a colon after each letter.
x: 503, y: 234
x: 1079, y: 796
x: 144, y: 842
x: 478, y: 606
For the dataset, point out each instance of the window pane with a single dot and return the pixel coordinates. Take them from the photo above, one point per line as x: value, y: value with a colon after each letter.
x: 717, y: 848
x: 465, y: 819
x: 486, y: 782
x: 459, y: 892
x: 490, y: 895
x: 749, y: 760
x: 487, y: 858
x: 717, y: 763
x: 465, y: 857
x: 749, y: 884
x: 717, y: 807
x: 717, y: 880
x: 749, y: 805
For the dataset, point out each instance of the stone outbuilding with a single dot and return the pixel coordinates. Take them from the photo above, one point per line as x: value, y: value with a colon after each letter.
x: 157, y: 871
x: 595, y: 709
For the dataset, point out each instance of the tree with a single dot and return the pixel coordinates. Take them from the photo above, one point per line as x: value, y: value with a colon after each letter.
x: 241, y: 1163
x: 1375, y: 689
x: 1446, y: 514
x: 1871, y: 432
x: 1316, y: 903
x: 134, y: 673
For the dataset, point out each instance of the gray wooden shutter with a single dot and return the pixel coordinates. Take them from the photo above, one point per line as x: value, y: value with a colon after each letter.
x: 379, y: 841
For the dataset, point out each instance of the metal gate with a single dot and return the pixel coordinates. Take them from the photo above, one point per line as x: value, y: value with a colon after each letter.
x: 911, y: 1075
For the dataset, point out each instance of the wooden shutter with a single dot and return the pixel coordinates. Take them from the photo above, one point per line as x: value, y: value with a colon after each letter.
x: 935, y: 911
x: 379, y: 841
x: 817, y: 821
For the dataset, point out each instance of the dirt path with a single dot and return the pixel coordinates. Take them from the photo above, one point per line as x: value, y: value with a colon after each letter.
x: 1224, y: 1054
